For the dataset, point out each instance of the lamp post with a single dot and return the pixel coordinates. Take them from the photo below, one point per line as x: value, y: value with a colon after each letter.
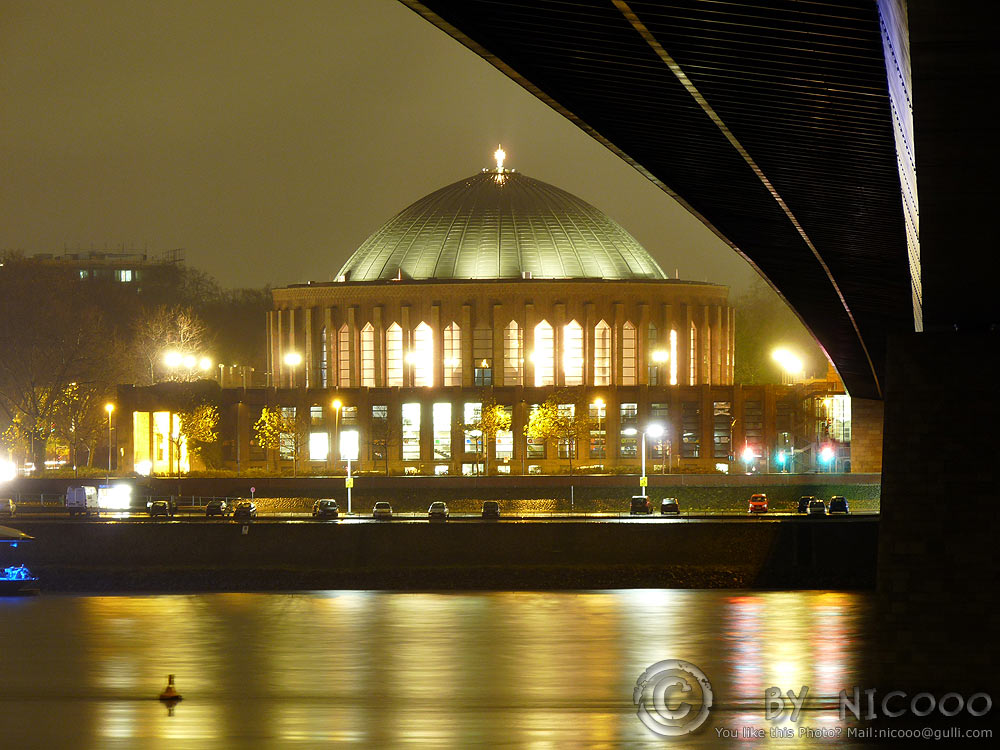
x: 293, y: 360
x: 109, y: 408
x: 655, y: 430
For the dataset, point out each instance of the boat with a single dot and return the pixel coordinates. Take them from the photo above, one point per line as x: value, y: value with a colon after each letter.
x: 15, y: 578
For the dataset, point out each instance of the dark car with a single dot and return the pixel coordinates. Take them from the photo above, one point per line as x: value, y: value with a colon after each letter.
x: 804, y: 501
x: 640, y: 506
x: 838, y: 504
x: 160, y: 508
x: 326, y: 509
x: 382, y: 511
x: 669, y: 507
x: 758, y: 503
x: 245, y: 510
x: 491, y: 509
x: 217, y: 507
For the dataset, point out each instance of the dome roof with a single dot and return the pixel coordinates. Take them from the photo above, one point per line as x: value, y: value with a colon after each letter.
x: 500, y: 224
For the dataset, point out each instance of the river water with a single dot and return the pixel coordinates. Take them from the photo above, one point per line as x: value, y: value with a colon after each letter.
x: 386, y: 669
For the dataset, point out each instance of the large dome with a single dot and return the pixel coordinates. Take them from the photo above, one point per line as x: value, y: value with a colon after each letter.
x: 500, y: 224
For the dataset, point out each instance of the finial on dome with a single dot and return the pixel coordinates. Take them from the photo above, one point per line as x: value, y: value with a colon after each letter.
x: 499, y: 155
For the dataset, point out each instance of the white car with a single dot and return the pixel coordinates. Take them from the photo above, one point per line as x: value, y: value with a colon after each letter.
x: 817, y: 508
x: 437, y: 512
x: 382, y: 510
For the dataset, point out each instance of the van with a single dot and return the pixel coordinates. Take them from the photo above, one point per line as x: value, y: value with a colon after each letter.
x: 81, y: 500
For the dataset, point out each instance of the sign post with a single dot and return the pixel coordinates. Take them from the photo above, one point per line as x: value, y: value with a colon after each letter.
x: 349, y: 452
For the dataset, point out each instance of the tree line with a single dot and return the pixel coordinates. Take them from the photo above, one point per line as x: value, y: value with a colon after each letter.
x: 66, y: 343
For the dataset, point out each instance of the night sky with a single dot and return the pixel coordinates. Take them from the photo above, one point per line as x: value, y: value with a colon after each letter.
x: 270, y: 139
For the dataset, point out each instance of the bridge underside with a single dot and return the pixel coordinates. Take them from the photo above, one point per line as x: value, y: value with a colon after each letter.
x: 770, y: 122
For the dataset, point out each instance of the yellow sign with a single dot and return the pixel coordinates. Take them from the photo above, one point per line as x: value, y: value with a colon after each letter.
x: 349, y: 482
x: 643, y: 481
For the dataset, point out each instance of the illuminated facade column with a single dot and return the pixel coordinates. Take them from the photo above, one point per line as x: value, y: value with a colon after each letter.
x: 725, y: 354
x: 732, y: 345
x: 308, y: 360
x: 616, y: 344
x: 468, y: 366
x: 588, y: 343
x: 404, y: 321
x: 279, y: 363
x: 704, y: 353
x: 379, y: 346
x: 642, y: 354
x: 558, y: 321
x: 328, y: 346
x: 272, y: 344
x: 355, y: 344
x: 670, y: 324
x: 718, y: 344
x: 437, y: 346
x: 497, y: 324
x: 684, y: 346
x: 530, y: 321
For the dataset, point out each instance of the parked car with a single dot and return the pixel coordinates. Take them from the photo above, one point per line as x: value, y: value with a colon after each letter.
x: 804, y: 501
x: 491, y: 509
x: 245, y: 510
x: 838, y: 504
x: 817, y: 508
x: 438, y: 511
x: 382, y: 510
x: 640, y: 506
x: 160, y: 508
x: 217, y: 507
x: 669, y: 506
x: 326, y: 509
x: 758, y: 503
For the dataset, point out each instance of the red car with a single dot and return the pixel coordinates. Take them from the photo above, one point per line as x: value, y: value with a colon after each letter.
x: 758, y: 503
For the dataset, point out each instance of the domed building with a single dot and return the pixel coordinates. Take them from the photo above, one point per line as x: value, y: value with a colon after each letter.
x: 502, y: 287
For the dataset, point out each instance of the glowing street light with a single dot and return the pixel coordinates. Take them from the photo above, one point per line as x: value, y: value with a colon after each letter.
x: 660, y: 356
x: 748, y: 457
x: 173, y: 359
x: 293, y: 360
x: 826, y: 455
x: 791, y: 364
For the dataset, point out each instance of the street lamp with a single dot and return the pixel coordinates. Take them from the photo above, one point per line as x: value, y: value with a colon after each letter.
x: 653, y: 430
x: 109, y: 408
x: 293, y: 360
x: 791, y: 365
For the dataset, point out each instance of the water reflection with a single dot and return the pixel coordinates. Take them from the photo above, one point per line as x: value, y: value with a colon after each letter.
x: 525, y: 669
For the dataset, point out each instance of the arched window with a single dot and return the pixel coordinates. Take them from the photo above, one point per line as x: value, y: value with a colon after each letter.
x: 513, y: 354
x: 573, y: 353
x: 394, y: 355
x: 368, y: 356
x: 453, y: 355
x: 324, y: 356
x: 422, y: 356
x: 628, y: 354
x: 344, y: 357
x: 602, y: 354
x: 544, y: 355
x: 693, y: 355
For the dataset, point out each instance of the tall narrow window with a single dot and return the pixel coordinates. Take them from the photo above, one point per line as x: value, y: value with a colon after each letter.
x: 513, y: 354
x: 673, y: 357
x: 693, y: 355
x: 441, y: 415
x: 324, y: 357
x: 573, y: 353
x: 602, y: 354
x: 453, y: 355
x: 628, y: 354
x: 544, y: 355
x: 505, y: 438
x: 482, y: 356
x: 368, y: 356
x: 411, y: 432
x: 394, y: 355
x: 422, y: 356
x: 344, y: 357
x: 653, y: 355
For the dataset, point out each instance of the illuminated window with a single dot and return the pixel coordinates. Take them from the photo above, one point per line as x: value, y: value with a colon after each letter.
x: 602, y: 354
x: 394, y: 355
x: 659, y: 413
x: 368, y: 356
x: 652, y: 345
x: 673, y: 357
x: 573, y: 353
x: 423, y: 356
x: 319, y: 446
x: 628, y: 418
x: 690, y: 429
x: 505, y: 438
x: 124, y: 276
x: 470, y: 416
x: 482, y: 356
x: 344, y: 357
x: 380, y: 430
x: 598, y: 438
x: 324, y: 355
x: 315, y: 414
x: 287, y: 447
x: 536, y: 446
x: 567, y: 445
x: 452, y: 355
x: 693, y: 355
x: 411, y: 432
x: 513, y: 354
x: 544, y: 355
x: 442, y: 431
x: 628, y: 354
x: 722, y: 429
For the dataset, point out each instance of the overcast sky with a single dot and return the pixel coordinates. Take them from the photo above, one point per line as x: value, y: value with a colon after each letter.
x: 269, y: 139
